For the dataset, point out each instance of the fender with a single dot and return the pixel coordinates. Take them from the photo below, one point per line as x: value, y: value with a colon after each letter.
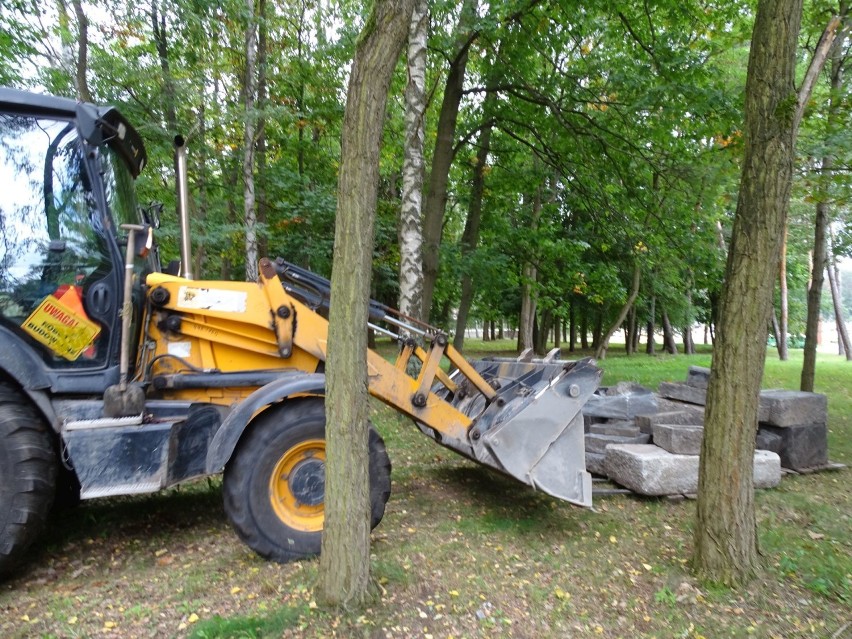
x: 21, y: 363
x: 229, y: 433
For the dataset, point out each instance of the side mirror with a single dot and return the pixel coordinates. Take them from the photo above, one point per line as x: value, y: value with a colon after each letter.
x: 151, y: 214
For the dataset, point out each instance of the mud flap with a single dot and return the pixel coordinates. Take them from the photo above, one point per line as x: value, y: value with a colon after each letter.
x: 534, y: 431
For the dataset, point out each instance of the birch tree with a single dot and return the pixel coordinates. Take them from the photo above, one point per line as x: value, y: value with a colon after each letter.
x: 249, y: 134
x: 410, y: 216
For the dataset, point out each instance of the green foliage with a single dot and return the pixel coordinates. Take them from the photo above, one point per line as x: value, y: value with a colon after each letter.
x: 622, y: 122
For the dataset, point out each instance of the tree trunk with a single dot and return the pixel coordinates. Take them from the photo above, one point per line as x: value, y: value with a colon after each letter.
x: 442, y: 156
x: 774, y: 327
x: 688, y: 342
x: 603, y: 344
x: 842, y: 333
x: 725, y: 548
x: 669, y: 343
x: 785, y: 312
x: 650, y: 347
x: 572, y: 325
x: 545, y: 324
x: 261, y: 197
x: 345, y: 561
x: 410, y: 215
x: 629, y: 331
x: 82, y: 63
x: 821, y: 224
x: 161, y: 41
x: 470, y: 235
x: 815, y: 294
x: 249, y: 139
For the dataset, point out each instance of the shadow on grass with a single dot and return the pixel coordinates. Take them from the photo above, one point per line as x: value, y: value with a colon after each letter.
x: 191, y: 511
x: 494, y: 502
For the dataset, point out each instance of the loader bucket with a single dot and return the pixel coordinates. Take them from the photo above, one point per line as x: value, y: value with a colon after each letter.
x: 533, y: 431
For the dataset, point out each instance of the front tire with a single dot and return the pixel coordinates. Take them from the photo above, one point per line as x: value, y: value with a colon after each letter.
x: 27, y: 476
x: 274, y: 485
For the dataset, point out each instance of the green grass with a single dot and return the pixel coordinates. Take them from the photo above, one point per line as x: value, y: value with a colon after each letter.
x: 249, y: 627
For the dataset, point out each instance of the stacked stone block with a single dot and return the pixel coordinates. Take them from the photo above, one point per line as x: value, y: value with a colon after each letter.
x: 655, y: 452
x: 795, y: 425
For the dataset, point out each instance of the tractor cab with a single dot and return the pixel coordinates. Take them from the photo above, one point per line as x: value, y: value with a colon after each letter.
x: 68, y: 171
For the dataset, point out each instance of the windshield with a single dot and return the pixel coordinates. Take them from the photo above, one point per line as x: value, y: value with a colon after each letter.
x: 53, y: 237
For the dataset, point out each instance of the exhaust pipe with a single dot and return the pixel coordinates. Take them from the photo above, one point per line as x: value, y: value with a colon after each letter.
x: 183, y: 207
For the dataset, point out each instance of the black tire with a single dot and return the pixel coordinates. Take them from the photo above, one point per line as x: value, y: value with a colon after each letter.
x: 281, y: 519
x: 27, y: 476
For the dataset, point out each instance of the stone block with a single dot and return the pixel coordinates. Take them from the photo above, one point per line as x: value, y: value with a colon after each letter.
x: 598, y: 443
x: 627, y: 388
x: 650, y: 470
x: 620, y: 429
x: 619, y: 407
x: 767, y: 469
x: 686, y: 414
x: 803, y: 447
x: 698, y: 377
x: 683, y: 393
x: 792, y: 408
x: 680, y: 439
x: 595, y: 463
x: 767, y: 440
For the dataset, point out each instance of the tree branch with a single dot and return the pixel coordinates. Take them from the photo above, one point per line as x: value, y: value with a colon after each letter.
x: 817, y: 63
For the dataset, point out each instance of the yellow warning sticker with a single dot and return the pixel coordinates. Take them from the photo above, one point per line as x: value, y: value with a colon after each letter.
x: 60, y: 328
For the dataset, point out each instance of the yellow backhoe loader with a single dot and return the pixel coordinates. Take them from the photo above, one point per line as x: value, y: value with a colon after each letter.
x: 117, y: 377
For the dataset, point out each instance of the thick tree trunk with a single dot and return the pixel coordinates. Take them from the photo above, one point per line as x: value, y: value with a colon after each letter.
x: 442, y: 156
x: 725, y: 547
x: 345, y: 561
x: 410, y: 215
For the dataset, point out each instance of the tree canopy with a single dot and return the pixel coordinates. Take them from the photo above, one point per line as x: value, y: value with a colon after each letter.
x: 614, y: 144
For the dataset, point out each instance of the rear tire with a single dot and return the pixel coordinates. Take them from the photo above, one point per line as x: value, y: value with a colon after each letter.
x: 27, y: 476
x: 274, y: 484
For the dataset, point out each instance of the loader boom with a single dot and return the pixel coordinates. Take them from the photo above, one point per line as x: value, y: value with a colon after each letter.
x: 235, y: 327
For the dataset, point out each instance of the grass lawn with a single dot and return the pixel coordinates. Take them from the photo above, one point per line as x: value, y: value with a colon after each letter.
x: 461, y: 552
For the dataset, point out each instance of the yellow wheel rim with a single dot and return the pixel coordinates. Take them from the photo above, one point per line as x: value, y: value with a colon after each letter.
x: 297, y: 486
